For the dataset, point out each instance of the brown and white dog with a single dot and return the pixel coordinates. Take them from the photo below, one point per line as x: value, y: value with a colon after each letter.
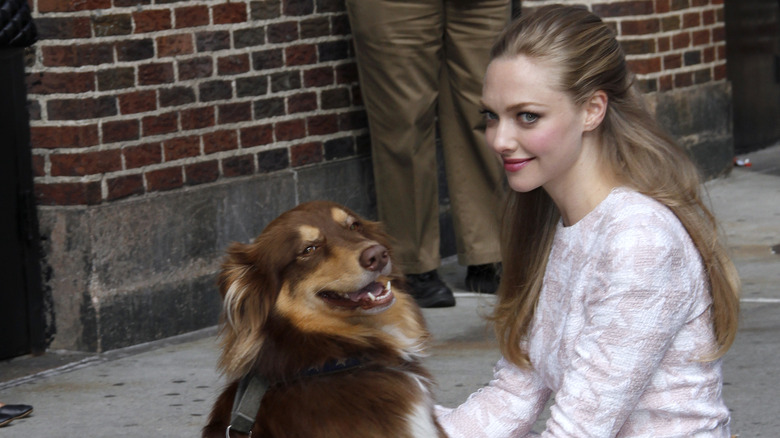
x: 315, y: 307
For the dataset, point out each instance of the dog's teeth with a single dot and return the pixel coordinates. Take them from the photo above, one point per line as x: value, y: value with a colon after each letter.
x: 370, y: 295
x: 387, y: 288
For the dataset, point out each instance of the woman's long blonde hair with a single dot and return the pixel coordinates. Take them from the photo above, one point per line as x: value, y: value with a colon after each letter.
x: 642, y: 156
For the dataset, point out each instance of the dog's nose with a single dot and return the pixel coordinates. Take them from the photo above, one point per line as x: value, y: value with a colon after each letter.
x: 374, y: 258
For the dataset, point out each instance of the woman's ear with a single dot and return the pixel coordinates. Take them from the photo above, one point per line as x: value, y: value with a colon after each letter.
x: 595, y: 110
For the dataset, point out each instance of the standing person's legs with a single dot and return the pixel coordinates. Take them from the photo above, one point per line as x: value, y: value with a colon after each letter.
x: 398, y: 45
x: 474, y: 175
x: 399, y: 49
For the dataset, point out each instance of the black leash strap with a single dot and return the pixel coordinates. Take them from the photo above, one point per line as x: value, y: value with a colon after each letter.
x: 251, y: 389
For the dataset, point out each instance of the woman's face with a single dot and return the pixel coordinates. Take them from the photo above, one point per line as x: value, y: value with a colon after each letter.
x: 536, y: 130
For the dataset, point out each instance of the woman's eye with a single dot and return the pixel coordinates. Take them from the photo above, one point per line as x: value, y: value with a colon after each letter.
x: 528, y: 117
x: 488, y: 115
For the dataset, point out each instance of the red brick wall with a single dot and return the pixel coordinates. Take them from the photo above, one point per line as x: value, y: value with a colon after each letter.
x: 130, y: 97
x: 669, y: 44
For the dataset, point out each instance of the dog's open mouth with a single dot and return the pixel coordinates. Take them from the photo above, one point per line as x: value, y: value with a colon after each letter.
x: 373, y: 296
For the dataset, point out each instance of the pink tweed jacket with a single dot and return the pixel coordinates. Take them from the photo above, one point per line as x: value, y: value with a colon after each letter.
x: 621, y: 326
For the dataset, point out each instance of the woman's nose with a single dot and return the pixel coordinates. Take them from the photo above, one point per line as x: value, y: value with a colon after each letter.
x: 500, y: 138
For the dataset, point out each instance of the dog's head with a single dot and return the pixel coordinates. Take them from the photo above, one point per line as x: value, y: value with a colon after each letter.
x: 322, y: 270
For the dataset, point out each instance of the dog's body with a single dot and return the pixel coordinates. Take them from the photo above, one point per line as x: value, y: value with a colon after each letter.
x: 315, y: 308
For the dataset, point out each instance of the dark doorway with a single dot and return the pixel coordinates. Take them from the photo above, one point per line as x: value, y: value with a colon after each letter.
x: 753, y: 60
x: 21, y: 300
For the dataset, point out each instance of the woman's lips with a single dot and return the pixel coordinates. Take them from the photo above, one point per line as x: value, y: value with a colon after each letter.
x: 515, y: 164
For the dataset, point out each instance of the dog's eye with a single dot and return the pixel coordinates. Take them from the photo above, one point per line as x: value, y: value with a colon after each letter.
x: 356, y: 226
x: 309, y: 250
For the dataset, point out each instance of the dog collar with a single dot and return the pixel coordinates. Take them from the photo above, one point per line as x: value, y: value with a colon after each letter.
x: 252, y: 389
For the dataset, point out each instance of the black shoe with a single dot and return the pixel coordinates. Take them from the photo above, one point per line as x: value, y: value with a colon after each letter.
x: 9, y: 413
x: 429, y: 290
x: 483, y: 278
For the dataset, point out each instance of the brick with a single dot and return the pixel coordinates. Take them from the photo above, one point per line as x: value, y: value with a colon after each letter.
x: 126, y: 3
x: 57, y: 137
x: 267, y: 59
x: 197, y: 118
x: 700, y: 37
x: 665, y: 83
x: 120, y: 130
x: 283, y: 32
x: 38, y: 166
x: 219, y: 141
x: 300, y: 54
x: 702, y: 76
x: 124, y: 186
x: 339, y: 148
x: 176, y: 96
x: 201, y: 173
x: 135, y: 50
x: 285, y: 81
x: 192, y: 16
x: 181, y: 147
x: 672, y: 61
x: 719, y: 72
x: 164, y: 179
x: 212, y: 41
x: 692, y: 58
x: 290, y: 130
x: 357, y: 97
x: 647, y: 85
x: 142, y: 155
x: 322, y: 124
x: 691, y: 19
x: 302, y: 102
x: 116, y: 78
x: 719, y: 34
x: 152, y: 20
x: 215, y: 90
x: 160, y: 124
x: 671, y: 23
x: 620, y: 9
x: 708, y: 17
x: 297, y: 7
x: 81, y: 109
x: 339, y: 25
x: 55, y: 83
x: 638, y: 47
x: 346, y: 73
x: 81, y: 193
x: 304, y: 154
x: 267, y: 108
x: 318, y: 77
x: 195, y: 68
x: 238, y: 166
x: 252, y: 86
x: 174, y: 45
x: 230, y: 12
x: 155, y: 73
x: 71, y: 5
x: 273, y: 160
x: 63, y: 28
x: 330, y: 6
x: 265, y: 9
x: 85, y: 163
x: 233, y: 64
x: 335, y: 98
x: 664, y: 44
x: 257, y: 135
x: 677, y: 5
x: 353, y: 120
x: 77, y: 55
x: 112, y: 25
x: 315, y: 27
x: 645, y: 66
x: 234, y: 113
x: 137, y: 102
x: 640, y: 27
x: 708, y: 54
x: 333, y: 51
x: 683, y: 80
x: 681, y: 40
x: 662, y: 6
x: 253, y: 37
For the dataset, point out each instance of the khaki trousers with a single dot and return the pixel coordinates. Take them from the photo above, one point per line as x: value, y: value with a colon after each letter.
x: 420, y: 61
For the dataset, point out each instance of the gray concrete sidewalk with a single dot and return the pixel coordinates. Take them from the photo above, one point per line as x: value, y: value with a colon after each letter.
x: 166, y: 388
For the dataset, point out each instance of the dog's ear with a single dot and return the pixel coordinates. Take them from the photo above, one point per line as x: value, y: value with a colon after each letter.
x: 249, y: 285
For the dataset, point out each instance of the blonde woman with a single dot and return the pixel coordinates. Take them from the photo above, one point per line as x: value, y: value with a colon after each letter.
x: 616, y: 296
